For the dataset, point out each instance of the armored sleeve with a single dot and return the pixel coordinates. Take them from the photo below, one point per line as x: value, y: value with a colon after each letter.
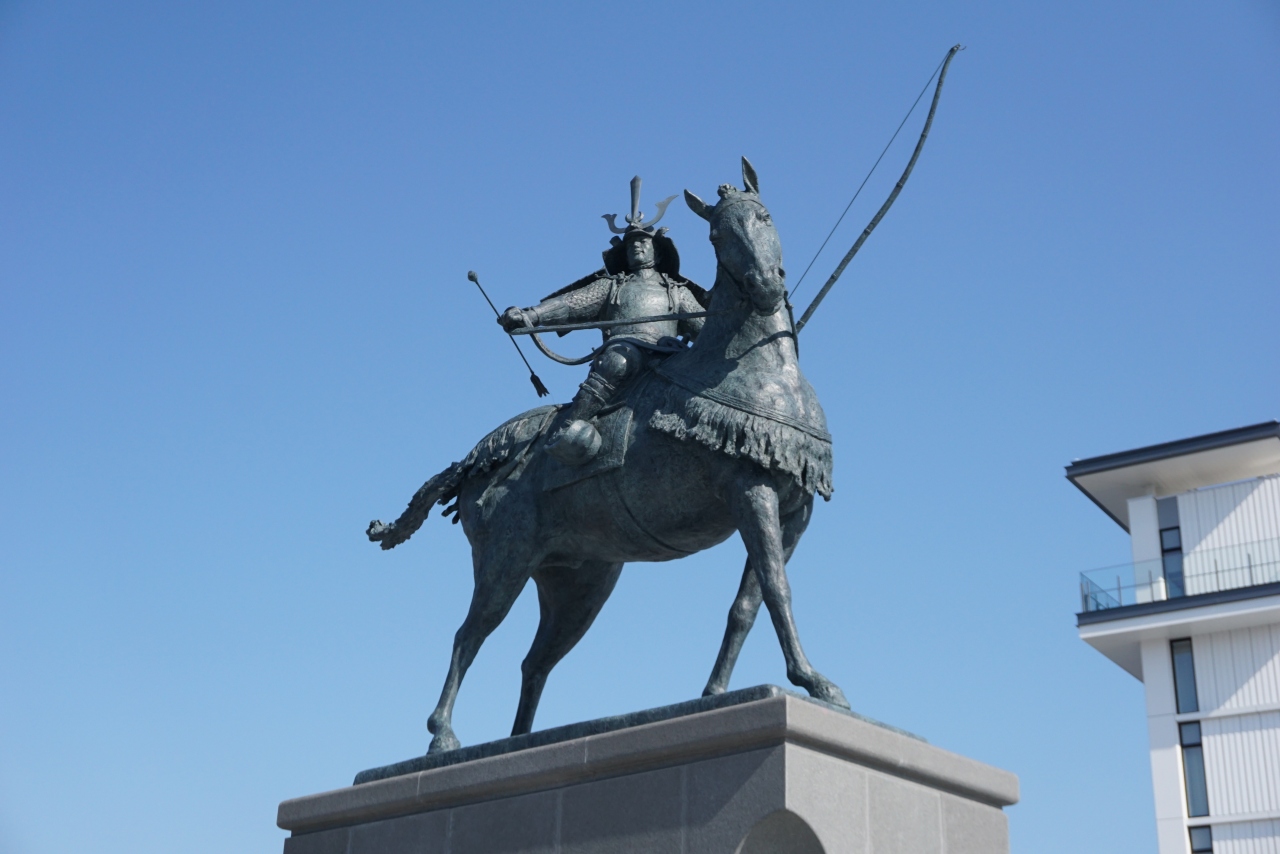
x: 577, y: 306
x: 686, y: 302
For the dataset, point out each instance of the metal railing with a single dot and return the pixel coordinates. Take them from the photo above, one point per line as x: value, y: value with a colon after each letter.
x: 1202, y: 570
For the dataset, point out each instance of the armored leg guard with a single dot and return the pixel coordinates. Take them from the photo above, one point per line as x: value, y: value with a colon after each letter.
x: 578, y: 441
x: 592, y: 395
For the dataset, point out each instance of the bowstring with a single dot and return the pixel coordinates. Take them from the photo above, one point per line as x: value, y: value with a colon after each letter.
x: 866, y: 179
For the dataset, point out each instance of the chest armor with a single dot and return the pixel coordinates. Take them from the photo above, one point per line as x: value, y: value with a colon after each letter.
x: 640, y: 296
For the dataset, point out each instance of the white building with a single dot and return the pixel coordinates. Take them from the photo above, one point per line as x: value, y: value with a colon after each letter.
x: 1196, y: 617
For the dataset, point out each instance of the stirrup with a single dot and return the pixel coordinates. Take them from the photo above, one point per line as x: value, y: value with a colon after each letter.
x: 575, y: 443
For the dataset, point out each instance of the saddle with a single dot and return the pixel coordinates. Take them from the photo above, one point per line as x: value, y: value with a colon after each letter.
x: 614, y: 424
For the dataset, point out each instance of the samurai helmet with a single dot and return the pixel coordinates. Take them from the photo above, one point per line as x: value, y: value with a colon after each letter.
x: 636, y: 225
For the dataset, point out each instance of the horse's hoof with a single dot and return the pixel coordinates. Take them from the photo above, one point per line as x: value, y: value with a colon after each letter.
x: 712, y: 690
x: 444, y: 741
x: 828, y: 692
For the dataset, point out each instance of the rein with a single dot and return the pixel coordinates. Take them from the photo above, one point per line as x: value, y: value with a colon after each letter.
x: 742, y: 292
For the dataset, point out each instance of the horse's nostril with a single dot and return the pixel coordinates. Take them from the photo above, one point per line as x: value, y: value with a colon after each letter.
x: 782, y: 274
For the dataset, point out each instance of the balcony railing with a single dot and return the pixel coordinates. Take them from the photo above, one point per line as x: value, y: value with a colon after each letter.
x: 1202, y: 570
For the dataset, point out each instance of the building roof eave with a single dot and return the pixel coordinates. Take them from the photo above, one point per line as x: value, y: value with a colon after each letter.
x: 1171, y: 467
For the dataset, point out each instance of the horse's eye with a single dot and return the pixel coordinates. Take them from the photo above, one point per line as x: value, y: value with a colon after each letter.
x: 714, y: 234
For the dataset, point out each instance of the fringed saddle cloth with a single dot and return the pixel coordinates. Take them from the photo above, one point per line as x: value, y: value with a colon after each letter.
x: 508, y: 450
x: 742, y: 426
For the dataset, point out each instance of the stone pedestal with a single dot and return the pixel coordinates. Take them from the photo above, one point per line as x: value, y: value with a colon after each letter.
x: 750, y: 772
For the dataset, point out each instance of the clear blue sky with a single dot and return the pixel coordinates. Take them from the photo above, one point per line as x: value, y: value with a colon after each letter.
x: 235, y: 326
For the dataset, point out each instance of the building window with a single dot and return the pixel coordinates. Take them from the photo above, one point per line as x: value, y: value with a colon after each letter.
x: 1171, y: 546
x: 1184, y: 676
x: 1193, y: 769
x: 1201, y: 840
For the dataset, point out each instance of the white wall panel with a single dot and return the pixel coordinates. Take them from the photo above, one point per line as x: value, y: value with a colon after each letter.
x: 1238, y: 669
x: 1250, y: 837
x: 1144, y: 538
x: 1166, y: 760
x: 1231, y: 535
x: 1242, y: 763
x: 1232, y: 513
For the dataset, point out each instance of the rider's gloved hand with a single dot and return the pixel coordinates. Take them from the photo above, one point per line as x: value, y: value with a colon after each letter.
x: 513, y: 318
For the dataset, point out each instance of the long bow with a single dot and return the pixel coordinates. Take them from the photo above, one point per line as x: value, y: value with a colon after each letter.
x: 556, y: 357
x: 897, y: 188
x: 533, y: 331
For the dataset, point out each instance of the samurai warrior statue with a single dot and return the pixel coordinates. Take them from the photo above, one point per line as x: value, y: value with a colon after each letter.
x: 640, y: 279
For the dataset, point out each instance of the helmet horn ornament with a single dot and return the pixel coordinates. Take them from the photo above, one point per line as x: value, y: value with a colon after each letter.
x: 635, y: 220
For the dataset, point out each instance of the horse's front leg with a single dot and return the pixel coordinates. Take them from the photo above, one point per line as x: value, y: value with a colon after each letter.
x: 755, y: 510
x: 742, y: 614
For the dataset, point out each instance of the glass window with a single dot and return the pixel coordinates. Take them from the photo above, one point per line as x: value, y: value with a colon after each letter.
x: 1173, y: 574
x: 1171, y: 546
x: 1193, y: 769
x: 1201, y: 840
x: 1184, y: 676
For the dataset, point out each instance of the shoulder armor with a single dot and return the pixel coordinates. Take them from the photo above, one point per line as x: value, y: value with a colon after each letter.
x: 588, y: 279
x: 699, y: 293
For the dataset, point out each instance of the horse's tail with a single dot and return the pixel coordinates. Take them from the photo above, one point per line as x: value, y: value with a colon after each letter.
x: 437, y: 490
x: 512, y: 441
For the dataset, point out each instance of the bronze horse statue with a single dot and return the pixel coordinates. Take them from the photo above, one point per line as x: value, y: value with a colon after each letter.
x: 725, y: 436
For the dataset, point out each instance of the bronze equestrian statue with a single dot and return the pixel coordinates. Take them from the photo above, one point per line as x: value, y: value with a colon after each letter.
x: 725, y: 435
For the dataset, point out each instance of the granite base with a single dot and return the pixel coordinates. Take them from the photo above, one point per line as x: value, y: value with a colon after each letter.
x: 763, y: 772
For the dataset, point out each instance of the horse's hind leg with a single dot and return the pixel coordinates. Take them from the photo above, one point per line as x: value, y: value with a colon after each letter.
x: 755, y: 508
x: 500, y: 575
x: 742, y: 614
x: 569, y: 599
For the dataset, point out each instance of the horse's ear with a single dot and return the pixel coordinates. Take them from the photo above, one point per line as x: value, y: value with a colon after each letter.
x: 749, y: 182
x: 697, y: 205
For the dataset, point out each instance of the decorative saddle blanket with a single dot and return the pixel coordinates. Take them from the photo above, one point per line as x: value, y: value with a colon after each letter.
x: 741, y: 427
x: 769, y: 437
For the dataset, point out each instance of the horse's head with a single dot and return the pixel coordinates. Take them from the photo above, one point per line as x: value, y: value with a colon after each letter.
x: 746, y: 243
